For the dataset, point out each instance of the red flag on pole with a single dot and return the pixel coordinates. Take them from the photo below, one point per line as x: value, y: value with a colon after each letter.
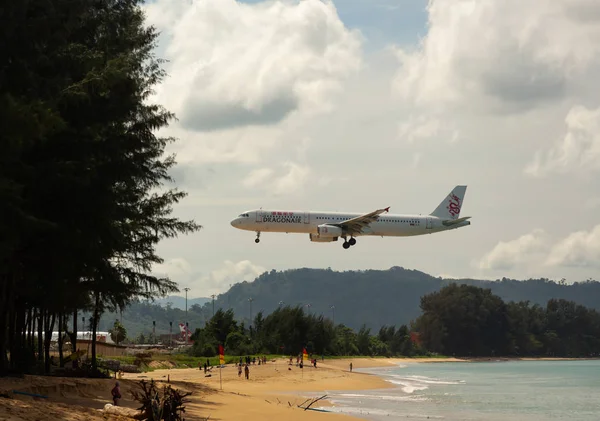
x: 221, y: 355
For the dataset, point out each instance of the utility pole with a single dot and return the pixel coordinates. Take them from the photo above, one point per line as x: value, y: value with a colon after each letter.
x: 250, y: 301
x: 171, y: 334
x: 333, y: 310
x: 186, y: 316
x: 154, y: 330
x: 213, y: 299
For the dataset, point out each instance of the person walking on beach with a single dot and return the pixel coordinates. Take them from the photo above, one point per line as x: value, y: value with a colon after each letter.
x: 116, y: 393
x: 351, y: 367
x: 247, y: 372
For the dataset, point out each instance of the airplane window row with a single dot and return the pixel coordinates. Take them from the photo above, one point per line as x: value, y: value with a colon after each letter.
x: 416, y: 221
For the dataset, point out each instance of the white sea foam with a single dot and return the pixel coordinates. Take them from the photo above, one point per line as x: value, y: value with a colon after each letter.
x: 382, y: 397
x: 411, y: 384
x: 430, y: 380
x: 354, y: 410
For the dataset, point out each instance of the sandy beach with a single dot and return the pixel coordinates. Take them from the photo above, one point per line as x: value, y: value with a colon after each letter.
x: 273, y: 391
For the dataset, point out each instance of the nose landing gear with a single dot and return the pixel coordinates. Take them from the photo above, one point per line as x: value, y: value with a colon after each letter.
x: 257, y: 237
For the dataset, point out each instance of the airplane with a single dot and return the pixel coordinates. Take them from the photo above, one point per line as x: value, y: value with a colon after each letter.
x: 325, y: 227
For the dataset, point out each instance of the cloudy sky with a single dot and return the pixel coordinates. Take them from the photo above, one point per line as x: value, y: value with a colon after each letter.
x: 361, y: 104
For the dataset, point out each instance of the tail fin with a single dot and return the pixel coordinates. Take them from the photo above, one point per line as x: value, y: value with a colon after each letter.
x: 451, y: 205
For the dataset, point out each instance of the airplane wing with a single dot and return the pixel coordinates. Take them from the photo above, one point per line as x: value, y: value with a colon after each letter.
x: 455, y: 221
x: 355, y: 225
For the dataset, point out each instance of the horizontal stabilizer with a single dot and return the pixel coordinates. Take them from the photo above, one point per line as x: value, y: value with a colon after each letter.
x: 451, y: 222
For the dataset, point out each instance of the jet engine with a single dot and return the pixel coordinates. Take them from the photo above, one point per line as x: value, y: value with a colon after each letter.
x: 326, y: 230
x: 317, y: 239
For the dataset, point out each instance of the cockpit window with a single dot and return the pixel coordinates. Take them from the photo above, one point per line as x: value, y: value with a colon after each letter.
x: 244, y: 215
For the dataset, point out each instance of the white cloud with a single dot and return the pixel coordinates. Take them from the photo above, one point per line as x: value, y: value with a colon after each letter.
x: 458, y: 119
x: 236, y: 64
x: 501, y: 55
x: 257, y: 177
x: 580, y: 248
x: 290, y: 178
x: 507, y: 255
x: 216, y: 281
x: 422, y: 126
x: 173, y: 268
x: 579, y: 150
x: 295, y: 178
x: 220, y: 279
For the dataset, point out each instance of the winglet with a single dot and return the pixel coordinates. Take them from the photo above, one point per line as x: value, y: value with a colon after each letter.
x: 387, y: 209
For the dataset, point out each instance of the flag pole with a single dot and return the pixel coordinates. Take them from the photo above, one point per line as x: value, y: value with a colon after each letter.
x: 221, y: 362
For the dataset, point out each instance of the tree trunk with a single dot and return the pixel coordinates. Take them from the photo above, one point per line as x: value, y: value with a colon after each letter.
x: 60, y: 339
x: 94, y: 328
x: 7, y: 283
x: 47, y: 339
x: 40, y: 329
x: 12, y: 338
x: 73, y: 337
x: 31, y: 334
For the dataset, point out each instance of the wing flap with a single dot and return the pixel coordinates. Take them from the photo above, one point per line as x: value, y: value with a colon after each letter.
x: 355, y: 225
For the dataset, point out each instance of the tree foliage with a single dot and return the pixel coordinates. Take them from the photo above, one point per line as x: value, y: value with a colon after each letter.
x: 118, y: 333
x: 288, y: 330
x: 82, y: 171
x: 465, y: 320
x: 460, y: 320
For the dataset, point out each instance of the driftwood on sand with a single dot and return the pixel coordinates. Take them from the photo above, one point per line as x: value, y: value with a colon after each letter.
x: 312, y: 401
x: 126, y: 412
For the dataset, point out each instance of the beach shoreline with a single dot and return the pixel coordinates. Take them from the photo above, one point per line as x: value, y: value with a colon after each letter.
x: 273, y: 391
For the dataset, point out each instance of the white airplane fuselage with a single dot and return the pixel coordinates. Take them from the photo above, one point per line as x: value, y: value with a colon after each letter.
x: 325, y: 227
x: 307, y: 222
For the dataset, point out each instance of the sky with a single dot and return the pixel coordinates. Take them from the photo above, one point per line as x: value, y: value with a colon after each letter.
x: 356, y: 105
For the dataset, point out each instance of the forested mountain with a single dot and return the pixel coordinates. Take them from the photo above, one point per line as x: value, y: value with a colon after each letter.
x: 461, y: 320
x: 380, y: 297
x: 372, y: 297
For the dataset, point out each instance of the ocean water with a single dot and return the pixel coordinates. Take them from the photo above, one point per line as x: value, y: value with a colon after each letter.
x: 491, y: 391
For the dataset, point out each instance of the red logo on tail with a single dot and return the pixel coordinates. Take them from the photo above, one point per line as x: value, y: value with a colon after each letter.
x: 453, y: 205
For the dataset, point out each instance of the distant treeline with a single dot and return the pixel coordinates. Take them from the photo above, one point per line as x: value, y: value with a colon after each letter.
x: 289, y: 329
x: 460, y: 320
x: 465, y: 320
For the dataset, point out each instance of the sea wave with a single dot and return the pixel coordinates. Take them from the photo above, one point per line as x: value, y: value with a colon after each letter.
x: 354, y: 410
x: 403, y: 398
x: 411, y: 384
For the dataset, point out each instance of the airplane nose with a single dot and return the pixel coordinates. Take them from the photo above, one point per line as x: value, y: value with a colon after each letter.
x: 233, y: 221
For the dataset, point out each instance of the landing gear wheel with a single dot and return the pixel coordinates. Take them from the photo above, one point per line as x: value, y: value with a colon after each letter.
x: 257, y: 240
x: 257, y: 237
x: 346, y: 245
x: 352, y: 241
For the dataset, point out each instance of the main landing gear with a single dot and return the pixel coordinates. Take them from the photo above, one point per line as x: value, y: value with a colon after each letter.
x: 348, y: 243
x: 257, y: 237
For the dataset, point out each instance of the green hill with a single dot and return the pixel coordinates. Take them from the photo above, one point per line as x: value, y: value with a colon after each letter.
x: 371, y: 297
